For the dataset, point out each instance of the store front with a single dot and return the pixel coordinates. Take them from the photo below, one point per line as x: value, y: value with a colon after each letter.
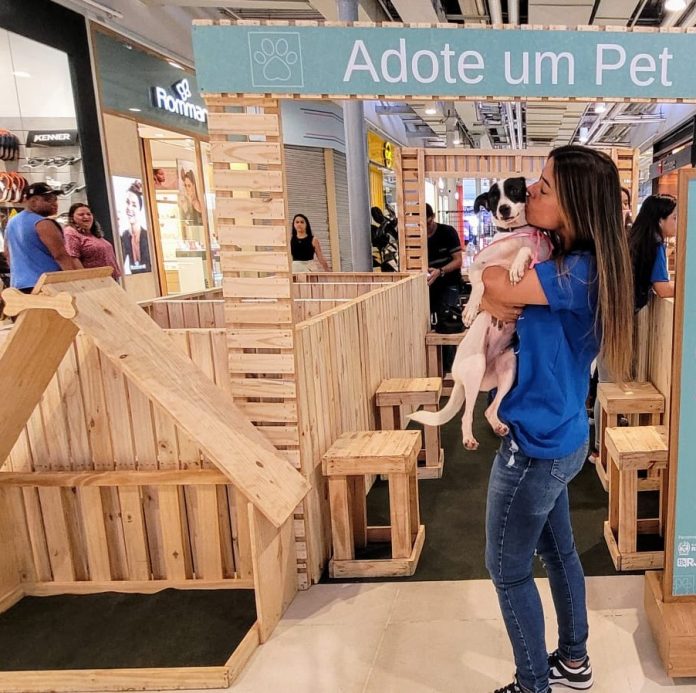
x: 155, y: 129
x: 380, y: 153
x: 48, y: 118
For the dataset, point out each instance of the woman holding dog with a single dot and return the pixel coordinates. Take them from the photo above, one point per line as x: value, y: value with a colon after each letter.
x: 569, y: 309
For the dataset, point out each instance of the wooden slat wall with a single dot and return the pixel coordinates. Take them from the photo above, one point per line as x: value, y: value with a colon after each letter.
x: 92, y: 419
x: 257, y: 282
x: 661, y: 326
x: 186, y: 314
x: 338, y: 378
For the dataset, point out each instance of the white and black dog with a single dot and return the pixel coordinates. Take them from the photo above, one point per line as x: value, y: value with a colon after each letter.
x: 484, y: 358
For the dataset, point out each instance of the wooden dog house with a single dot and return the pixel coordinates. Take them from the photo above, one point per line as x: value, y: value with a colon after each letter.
x: 79, y: 518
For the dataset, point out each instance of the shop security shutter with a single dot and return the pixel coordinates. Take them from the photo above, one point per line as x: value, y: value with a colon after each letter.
x: 306, y: 180
x: 341, y: 175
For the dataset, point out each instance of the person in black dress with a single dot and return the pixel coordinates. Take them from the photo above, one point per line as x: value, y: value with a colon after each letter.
x: 304, y: 247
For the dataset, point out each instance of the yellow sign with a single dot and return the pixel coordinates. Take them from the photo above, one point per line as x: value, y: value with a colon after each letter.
x: 388, y: 155
x: 379, y: 150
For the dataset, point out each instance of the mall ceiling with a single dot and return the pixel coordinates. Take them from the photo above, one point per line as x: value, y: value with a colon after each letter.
x: 165, y: 25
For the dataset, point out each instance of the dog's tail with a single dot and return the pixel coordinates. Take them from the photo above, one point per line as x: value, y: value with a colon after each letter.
x: 437, y: 418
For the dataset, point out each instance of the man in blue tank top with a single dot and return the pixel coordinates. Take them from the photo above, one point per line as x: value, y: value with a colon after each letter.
x: 33, y: 243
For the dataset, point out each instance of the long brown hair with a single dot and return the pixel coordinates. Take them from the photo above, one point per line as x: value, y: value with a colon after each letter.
x: 589, y: 194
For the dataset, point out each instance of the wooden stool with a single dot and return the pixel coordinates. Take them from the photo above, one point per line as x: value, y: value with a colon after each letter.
x: 641, y: 400
x: 434, y: 341
x: 353, y: 455
x: 630, y: 449
x: 425, y: 392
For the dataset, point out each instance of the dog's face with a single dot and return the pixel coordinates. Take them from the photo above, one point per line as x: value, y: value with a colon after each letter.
x: 505, y: 200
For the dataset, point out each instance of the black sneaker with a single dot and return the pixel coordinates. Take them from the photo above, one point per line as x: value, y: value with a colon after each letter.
x: 560, y: 674
x: 513, y: 687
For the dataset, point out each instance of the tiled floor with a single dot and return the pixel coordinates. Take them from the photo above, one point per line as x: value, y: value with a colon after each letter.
x: 443, y: 637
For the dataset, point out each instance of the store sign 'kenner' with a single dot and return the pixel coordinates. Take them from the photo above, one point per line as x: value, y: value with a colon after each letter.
x: 51, y: 138
x: 177, y: 101
x: 437, y: 61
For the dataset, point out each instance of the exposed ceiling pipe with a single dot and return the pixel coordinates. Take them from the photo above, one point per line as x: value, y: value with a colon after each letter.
x: 518, y: 123
x: 496, y: 11
x: 672, y: 18
x: 689, y: 18
x: 513, y: 12
x: 512, y: 134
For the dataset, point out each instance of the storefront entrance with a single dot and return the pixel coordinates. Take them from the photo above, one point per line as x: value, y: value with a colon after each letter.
x: 188, y: 255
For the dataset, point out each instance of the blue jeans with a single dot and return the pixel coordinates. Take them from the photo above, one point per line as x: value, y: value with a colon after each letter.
x: 528, y: 511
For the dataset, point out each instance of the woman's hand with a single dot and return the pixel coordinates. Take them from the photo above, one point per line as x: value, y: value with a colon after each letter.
x: 502, y: 312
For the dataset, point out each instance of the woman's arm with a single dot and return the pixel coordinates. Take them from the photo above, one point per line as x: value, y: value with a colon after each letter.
x: 664, y: 289
x: 320, y: 256
x: 503, y: 300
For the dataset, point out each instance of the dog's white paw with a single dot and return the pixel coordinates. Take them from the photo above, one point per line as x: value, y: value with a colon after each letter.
x: 469, y: 316
x: 496, y: 424
x: 517, y: 271
x: 470, y: 443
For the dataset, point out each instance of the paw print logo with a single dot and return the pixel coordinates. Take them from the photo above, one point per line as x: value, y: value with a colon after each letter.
x: 683, y: 585
x: 276, y: 59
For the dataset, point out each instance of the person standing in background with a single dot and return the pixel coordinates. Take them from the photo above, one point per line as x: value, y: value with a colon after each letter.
x: 85, y: 241
x: 34, y: 244
x: 304, y: 246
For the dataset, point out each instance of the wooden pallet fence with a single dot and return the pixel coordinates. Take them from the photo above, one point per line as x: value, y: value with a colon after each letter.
x: 194, y: 313
x: 92, y: 421
x: 251, y: 217
x: 414, y: 165
x: 343, y: 356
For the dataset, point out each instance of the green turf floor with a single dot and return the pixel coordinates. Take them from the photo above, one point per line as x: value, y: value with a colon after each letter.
x: 453, y: 511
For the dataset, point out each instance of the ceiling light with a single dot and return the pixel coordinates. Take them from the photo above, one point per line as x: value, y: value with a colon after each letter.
x: 456, y: 142
x: 584, y: 134
x: 675, y: 5
x: 600, y: 107
x: 20, y: 73
x: 176, y: 65
x: 430, y: 110
x: 135, y: 110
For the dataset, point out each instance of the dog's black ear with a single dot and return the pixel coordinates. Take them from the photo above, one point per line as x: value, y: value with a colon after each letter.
x: 481, y: 201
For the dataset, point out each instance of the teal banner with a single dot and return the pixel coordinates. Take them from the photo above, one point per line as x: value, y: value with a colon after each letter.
x: 394, y: 61
x: 685, y: 507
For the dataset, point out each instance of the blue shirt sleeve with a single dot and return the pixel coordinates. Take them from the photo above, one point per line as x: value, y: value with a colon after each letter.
x: 659, y: 269
x: 572, y: 285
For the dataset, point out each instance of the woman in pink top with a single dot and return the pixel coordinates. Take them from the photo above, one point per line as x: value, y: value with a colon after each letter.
x: 85, y: 241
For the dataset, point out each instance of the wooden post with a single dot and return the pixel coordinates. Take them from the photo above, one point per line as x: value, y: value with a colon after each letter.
x: 256, y: 266
x: 332, y: 209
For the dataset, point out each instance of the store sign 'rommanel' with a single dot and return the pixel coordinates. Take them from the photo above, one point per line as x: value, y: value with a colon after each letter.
x: 457, y: 62
x: 177, y: 101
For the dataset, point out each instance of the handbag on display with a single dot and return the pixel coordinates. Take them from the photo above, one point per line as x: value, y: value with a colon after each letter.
x: 9, y: 146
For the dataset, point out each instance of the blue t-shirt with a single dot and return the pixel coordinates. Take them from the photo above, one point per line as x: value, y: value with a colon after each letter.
x: 659, y: 269
x: 545, y: 409
x: 29, y: 256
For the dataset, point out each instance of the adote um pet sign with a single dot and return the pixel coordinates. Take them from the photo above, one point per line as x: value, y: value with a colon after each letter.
x: 443, y: 62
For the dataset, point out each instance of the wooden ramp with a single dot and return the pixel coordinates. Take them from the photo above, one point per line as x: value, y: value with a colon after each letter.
x: 136, y: 345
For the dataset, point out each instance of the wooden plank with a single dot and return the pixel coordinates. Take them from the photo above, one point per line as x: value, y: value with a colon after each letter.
x: 256, y: 261
x: 70, y: 387
x: 239, y: 658
x: 341, y: 519
x: 124, y: 478
x: 54, y: 419
x: 118, y: 415
x: 248, y: 209
x: 252, y: 287
x: 262, y: 363
x: 134, y: 533
x: 258, y: 313
x: 172, y: 533
x: 245, y: 152
x: 95, y: 403
x: 275, y: 581
x: 252, y: 236
x: 243, y: 124
x: 92, y: 516
x: 15, y: 522
x: 204, y: 529
x: 101, y: 680
x: 57, y: 535
x: 253, y: 180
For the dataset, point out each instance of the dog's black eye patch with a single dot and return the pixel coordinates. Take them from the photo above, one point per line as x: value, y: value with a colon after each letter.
x: 494, y: 197
x: 516, y: 189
